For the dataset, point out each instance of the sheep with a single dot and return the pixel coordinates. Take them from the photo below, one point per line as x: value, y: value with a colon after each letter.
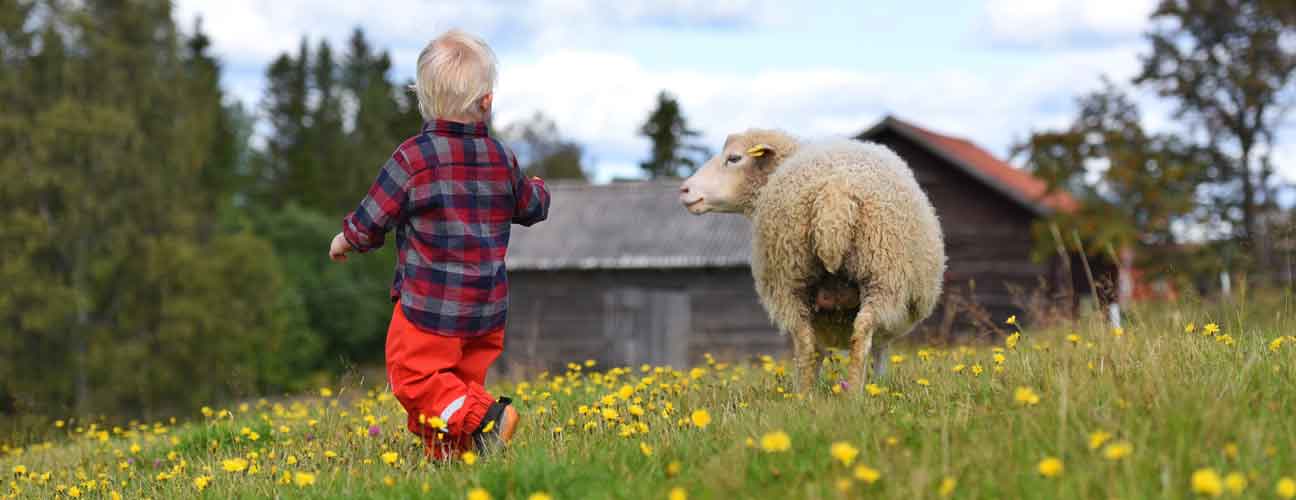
x: 847, y: 251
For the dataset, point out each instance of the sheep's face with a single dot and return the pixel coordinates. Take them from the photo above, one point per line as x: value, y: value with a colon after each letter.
x: 729, y: 180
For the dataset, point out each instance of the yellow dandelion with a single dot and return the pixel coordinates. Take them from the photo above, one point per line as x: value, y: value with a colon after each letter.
x: 1073, y: 339
x: 1118, y: 450
x: 74, y: 492
x: 873, y: 389
x: 976, y: 369
x: 700, y: 419
x: 999, y: 359
x: 1026, y: 396
x: 234, y: 465
x: 1210, y: 328
x: 539, y: 495
x: 1188, y: 328
x: 677, y: 493
x: 1235, y: 482
x: 1012, y: 320
x: 1050, y: 467
x: 776, y: 442
x: 673, y: 468
x: 924, y: 382
x: 390, y: 457
x: 1207, y: 482
x: 843, y: 452
x: 201, y: 482
x: 1011, y: 341
x: 469, y: 457
x: 867, y: 474
x: 478, y: 494
x: 325, y: 392
x: 1231, y: 451
x: 1286, y: 488
x: 330, y: 454
x: 947, y: 486
x: 389, y: 481
x: 646, y: 449
x: 1097, y: 438
x: 303, y: 479
x: 958, y: 368
x: 1118, y: 332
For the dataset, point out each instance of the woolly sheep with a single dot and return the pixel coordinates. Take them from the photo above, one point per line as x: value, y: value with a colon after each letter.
x: 846, y: 252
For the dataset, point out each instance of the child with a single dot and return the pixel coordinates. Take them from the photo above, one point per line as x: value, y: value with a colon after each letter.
x: 450, y: 193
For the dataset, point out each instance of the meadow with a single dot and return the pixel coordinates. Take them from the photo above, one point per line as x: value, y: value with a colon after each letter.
x: 1187, y: 399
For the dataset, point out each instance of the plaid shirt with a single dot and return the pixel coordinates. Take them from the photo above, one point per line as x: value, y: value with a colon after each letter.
x: 451, y: 193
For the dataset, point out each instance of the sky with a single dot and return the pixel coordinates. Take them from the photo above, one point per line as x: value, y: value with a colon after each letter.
x: 991, y: 71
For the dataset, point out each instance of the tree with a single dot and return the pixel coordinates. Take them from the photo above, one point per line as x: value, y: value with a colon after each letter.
x: 673, y: 152
x: 122, y: 292
x: 1228, y: 65
x: 542, y: 151
x: 1137, y: 189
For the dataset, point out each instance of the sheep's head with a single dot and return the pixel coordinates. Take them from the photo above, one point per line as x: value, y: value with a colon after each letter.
x: 730, y: 180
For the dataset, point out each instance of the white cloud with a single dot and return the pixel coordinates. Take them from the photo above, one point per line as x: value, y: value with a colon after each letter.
x: 1053, y: 23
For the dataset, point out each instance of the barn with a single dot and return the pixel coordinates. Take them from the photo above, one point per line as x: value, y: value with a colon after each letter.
x: 621, y: 274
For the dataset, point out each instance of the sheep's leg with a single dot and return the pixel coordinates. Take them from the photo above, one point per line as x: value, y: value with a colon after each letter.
x: 879, y: 354
x: 803, y: 355
x: 860, y: 348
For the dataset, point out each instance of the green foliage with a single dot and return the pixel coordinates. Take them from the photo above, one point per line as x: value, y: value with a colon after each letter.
x: 1230, y: 67
x: 542, y: 151
x: 1138, y: 188
x: 122, y: 294
x: 674, y: 154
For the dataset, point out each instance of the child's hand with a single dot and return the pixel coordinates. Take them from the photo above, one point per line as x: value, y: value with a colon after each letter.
x: 339, y: 248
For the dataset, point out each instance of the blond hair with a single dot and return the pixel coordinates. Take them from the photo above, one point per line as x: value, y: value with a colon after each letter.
x: 455, y: 70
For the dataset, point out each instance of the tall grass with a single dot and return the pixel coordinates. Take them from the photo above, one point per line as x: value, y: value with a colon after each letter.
x: 1177, y: 402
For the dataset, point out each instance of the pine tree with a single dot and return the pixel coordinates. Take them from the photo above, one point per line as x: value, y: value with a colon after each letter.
x: 673, y: 154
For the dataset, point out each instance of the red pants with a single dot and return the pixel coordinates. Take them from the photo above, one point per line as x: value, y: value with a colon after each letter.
x: 438, y: 376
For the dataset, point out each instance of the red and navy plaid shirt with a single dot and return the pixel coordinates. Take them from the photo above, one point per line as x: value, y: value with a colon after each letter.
x: 451, y: 193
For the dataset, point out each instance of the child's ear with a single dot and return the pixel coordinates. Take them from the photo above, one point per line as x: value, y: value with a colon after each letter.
x: 486, y: 102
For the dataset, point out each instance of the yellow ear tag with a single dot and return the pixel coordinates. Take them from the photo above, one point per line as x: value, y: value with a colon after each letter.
x: 756, y: 151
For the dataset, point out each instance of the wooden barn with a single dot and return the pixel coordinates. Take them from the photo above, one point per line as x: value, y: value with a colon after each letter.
x: 622, y: 274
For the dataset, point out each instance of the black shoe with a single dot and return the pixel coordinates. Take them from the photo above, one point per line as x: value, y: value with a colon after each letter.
x: 496, y: 428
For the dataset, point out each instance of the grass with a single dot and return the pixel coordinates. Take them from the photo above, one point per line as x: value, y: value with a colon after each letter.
x: 1176, y: 402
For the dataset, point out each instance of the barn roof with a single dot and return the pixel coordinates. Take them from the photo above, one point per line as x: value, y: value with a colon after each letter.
x: 1020, y: 186
x: 630, y: 225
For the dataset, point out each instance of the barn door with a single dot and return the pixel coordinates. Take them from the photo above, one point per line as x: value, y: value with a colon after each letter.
x: 646, y: 326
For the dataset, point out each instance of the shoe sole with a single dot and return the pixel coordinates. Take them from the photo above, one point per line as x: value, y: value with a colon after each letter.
x: 510, y: 424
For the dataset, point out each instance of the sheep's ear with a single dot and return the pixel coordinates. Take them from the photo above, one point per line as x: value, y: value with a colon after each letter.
x: 759, y: 150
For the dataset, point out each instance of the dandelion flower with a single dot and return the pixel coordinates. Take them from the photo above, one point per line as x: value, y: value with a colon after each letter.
x: 469, y: 457
x: 539, y: 495
x: 1026, y: 396
x: 1188, y: 328
x: 700, y: 419
x: 1097, y: 438
x: 999, y: 359
x: 478, y: 494
x: 1011, y: 341
x: 976, y: 369
x: 1118, y: 332
x: 1050, y: 467
x: 1012, y: 320
x: 234, y: 465
x: 1207, y: 482
x: 867, y: 474
x: 677, y: 493
x: 303, y: 479
x: 924, y: 382
x: 1286, y: 488
x: 1210, y: 328
x: 843, y: 452
x: 775, y: 442
x: 873, y: 389
x: 1073, y: 339
x: 325, y: 392
x: 645, y: 449
x: 947, y: 486
x: 673, y: 468
x: 1235, y: 482
x: 390, y: 457
x: 1118, y: 450
x: 201, y: 482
